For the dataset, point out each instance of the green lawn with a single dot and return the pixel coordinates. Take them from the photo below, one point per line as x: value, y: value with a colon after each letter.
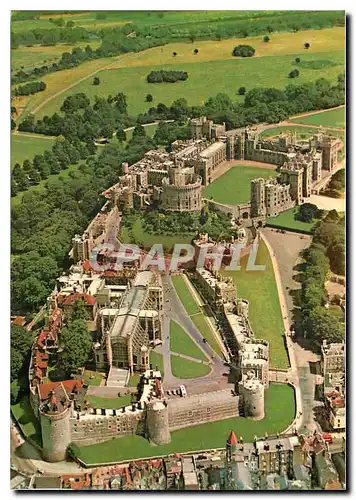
x: 26, y: 419
x: 185, y: 295
x: 109, y: 403
x: 332, y: 118
x: 194, y: 312
x: 26, y: 147
x: 134, y: 380
x: 234, y: 186
x: 287, y: 220
x: 279, y: 408
x: 181, y: 342
x: 259, y: 288
x: 185, y: 368
x: 93, y: 378
x: 156, y: 359
x: 222, y: 75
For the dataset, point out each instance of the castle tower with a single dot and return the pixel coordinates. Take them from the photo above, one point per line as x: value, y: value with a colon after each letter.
x: 55, y: 427
x: 157, y: 422
x: 258, y: 206
x: 253, y: 394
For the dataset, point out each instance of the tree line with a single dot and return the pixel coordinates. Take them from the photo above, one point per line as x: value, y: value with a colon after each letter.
x: 326, y: 252
x: 117, y: 40
x: 166, y: 76
x: 29, y: 88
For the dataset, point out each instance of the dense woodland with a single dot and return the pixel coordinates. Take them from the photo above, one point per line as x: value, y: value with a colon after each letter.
x: 29, y: 88
x: 133, y: 38
x: 166, y: 76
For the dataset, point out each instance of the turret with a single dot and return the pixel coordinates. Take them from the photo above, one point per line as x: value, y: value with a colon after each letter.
x: 157, y: 422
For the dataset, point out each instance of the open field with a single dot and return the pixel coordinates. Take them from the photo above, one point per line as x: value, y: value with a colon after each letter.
x: 185, y: 368
x: 287, y: 220
x: 332, y: 118
x: 38, y: 55
x: 223, y: 75
x: 259, y: 288
x: 234, y: 186
x: 109, y: 403
x: 29, y: 424
x: 213, y: 65
x: 194, y: 311
x: 181, y: 342
x: 280, y: 410
x: 26, y: 147
x: 93, y: 20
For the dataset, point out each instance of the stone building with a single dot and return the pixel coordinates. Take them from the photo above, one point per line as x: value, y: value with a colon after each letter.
x: 215, y: 288
x: 136, y: 323
x: 334, y: 357
x: 202, y: 127
x: 269, y: 198
x: 254, y: 358
x: 181, y: 190
x: 252, y: 396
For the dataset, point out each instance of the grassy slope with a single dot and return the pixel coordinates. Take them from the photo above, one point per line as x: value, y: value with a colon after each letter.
x: 280, y: 410
x: 185, y: 368
x: 26, y: 419
x: 234, y: 186
x: 327, y: 44
x: 156, y: 359
x: 288, y: 221
x: 181, y: 342
x: 259, y: 288
x: 205, y: 79
x: 26, y: 147
x: 302, y: 132
x: 332, y: 118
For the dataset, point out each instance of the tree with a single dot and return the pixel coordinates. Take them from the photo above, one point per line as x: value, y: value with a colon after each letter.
x: 308, y: 212
x: 332, y: 216
x: 192, y: 35
x: 121, y: 134
x: 294, y: 73
x: 96, y: 80
x: 266, y: 38
x: 307, y: 45
x: 73, y: 451
x: 138, y: 131
x: 243, y: 51
x: 196, y: 51
x: 242, y: 91
x: 76, y: 344
x: 149, y: 98
x: 174, y: 54
x: 297, y: 60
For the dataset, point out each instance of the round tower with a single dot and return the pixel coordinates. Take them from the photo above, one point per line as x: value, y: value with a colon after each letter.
x: 55, y: 427
x: 253, y: 399
x: 157, y: 423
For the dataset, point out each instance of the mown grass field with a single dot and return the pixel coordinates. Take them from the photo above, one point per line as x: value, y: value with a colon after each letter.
x: 156, y: 359
x: 93, y: 378
x: 194, y: 311
x: 235, y: 185
x: 287, y: 220
x: 332, y: 118
x: 26, y: 147
x: 212, y: 68
x: 180, y: 342
x: 260, y: 289
x: 279, y: 409
x: 205, y: 79
x: 185, y: 368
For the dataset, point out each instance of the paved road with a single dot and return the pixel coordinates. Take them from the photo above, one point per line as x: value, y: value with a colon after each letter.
x: 174, y: 310
x: 286, y: 248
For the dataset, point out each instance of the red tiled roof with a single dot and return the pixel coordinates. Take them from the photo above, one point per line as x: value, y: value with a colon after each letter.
x: 71, y: 299
x: 76, y: 481
x: 232, y: 439
x: 86, y: 265
x: 69, y: 386
x: 41, y: 359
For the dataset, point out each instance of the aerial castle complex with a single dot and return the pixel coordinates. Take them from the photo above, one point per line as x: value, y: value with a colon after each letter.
x: 174, y: 181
